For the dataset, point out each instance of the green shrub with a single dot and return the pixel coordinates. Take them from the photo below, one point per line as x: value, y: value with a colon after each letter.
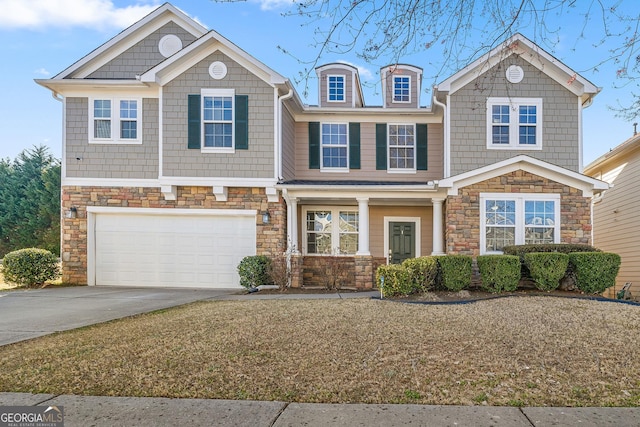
x: 394, y: 280
x: 499, y: 272
x: 30, y: 267
x: 546, y: 269
x: 254, y: 271
x: 594, y: 271
x: 422, y: 272
x: 454, y: 272
x: 565, y: 248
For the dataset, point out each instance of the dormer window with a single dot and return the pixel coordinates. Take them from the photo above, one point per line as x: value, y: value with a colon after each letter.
x: 401, y: 89
x: 335, y: 88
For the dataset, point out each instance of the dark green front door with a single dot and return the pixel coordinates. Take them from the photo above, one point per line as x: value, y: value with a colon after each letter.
x: 402, y: 241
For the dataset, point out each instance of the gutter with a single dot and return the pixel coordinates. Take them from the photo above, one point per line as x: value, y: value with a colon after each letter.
x: 281, y: 99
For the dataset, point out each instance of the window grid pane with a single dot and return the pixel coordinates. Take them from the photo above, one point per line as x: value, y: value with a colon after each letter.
x: 336, y: 88
x: 500, y: 220
x: 401, y: 147
x: 319, y: 232
x: 401, y: 89
x: 218, y: 121
x: 539, y: 218
x: 348, y: 232
x: 334, y: 145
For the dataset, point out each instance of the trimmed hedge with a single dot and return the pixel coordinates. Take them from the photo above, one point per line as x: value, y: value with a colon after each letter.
x: 499, y: 273
x: 30, y: 267
x: 254, y: 271
x: 565, y: 248
x: 547, y: 268
x: 394, y: 280
x: 422, y: 273
x: 594, y: 271
x: 454, y: 272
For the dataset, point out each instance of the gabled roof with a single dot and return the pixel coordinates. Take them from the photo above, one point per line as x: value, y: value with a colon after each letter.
x: 588, y: 185
x: 201, y: 48
x: 626, y: 147
x: 530, y: 52
x: 129, y: 37
x: 350, y: 68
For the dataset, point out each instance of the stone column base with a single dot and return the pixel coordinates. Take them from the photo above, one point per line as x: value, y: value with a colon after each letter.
x: 296, y: 271
x: 364, y: 272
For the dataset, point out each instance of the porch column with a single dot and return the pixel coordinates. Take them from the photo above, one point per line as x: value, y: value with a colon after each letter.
x: 292, y: 225
x: 363, y: 226
x: 438, y: 245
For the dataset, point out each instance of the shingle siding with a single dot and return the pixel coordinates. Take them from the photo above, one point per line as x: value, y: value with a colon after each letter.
x: 122, y: 161
x: 141, y: 56
x: 560, y: 137
x: 256, y: 162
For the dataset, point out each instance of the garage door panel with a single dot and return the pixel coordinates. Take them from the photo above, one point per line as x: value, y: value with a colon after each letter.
x: 171, y: 250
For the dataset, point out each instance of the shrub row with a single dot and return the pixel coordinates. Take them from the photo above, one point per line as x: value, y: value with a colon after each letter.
x: 450, y: 272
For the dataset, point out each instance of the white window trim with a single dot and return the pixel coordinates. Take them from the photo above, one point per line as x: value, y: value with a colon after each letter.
x: 519, y: 198
x: 324, y: 168
x: 401, y: 170
x: 393, y: 90
x: 115, y: 121
x: 344, y: 88
x: 335, y: 231
x: 514, y: 124
x: 218, y: 92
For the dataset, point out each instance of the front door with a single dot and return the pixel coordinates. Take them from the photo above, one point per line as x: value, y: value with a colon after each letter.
x: 402, y: 241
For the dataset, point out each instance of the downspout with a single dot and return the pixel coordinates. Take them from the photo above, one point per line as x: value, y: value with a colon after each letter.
x: 445, y: 119
x: 281, y: 99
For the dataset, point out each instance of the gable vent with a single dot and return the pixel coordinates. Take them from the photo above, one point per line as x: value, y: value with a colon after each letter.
x: 515, y: 73
x: 217, y: 70
x: 169, y: 44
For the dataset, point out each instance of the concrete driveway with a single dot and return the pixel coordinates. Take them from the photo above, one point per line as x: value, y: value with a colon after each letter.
x: 26, y: 314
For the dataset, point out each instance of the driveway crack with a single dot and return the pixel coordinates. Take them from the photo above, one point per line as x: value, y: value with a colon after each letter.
x: 275, y: 419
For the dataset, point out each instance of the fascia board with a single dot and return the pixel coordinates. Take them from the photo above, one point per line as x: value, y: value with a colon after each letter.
x: 130, y: 36
x: 200, y: 49
x: 623, y: 149
x: 555, y: 173
x: 81, y: 87
x: 398, y: 192
x: 385, y: 115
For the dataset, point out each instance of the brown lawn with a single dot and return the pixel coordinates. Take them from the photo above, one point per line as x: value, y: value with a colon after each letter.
x: 532, y: 351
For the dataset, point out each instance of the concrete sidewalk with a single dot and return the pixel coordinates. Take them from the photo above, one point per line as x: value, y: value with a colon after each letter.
x: 145, y: 411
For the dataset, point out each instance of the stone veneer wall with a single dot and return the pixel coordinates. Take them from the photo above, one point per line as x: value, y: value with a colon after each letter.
x: 462, y: 212
x: 356, y: 272
x: 269, y: 237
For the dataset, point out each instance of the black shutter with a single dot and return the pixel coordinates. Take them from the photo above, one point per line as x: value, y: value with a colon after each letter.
x: 421, y: 147
x: 241, y: 122
x: 314, y: 145
x: 354, y: 145
x: 381, y: 146
x: 193, y: 121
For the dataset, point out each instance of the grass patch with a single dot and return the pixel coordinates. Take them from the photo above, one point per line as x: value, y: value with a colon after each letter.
x: 533, y: 351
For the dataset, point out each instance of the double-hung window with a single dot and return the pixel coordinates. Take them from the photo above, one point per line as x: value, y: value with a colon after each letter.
x: 217, y: 119
x: 335, y: 143
x: 331, y: 231
x: 335, y: 88
x: 514, y: 123
x: 114, y: 120
x: 401, y: 89
x: 516, y: 219
x: 402, y: 147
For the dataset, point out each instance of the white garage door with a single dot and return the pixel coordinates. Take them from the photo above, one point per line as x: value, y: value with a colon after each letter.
x: 172, y: 250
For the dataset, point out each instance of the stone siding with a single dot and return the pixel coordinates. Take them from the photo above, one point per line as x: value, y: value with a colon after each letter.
x: 269, y: 237
x: 462, y: 212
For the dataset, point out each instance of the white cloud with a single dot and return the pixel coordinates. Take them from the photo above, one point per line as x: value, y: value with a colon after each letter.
x: 100, y: 14
x: 365, y: 73
x: 274, y: 4
x: 42, y: 72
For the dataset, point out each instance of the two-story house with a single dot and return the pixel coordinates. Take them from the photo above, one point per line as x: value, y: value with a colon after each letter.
x: 182, y: 154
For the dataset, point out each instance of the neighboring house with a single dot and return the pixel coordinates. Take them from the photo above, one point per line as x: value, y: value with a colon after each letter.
x: 182, y: 154
x: 616, y: 225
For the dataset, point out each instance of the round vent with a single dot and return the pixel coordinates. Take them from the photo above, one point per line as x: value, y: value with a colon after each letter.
x: 169, y: 45
x: 515, y: 73
x: 217, y: 70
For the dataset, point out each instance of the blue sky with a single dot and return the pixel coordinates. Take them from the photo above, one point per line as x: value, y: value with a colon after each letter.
x: 40, y: 38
